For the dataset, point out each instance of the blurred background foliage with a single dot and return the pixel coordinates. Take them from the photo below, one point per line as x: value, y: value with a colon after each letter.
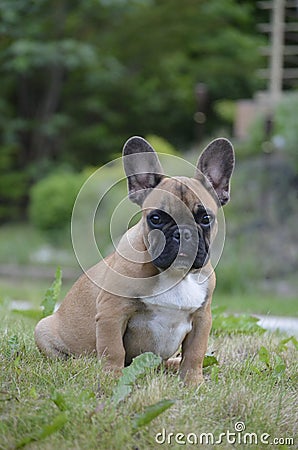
x: 79, y: 78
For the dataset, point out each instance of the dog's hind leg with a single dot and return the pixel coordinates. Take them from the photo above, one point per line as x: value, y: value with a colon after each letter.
x: 173, y: 364
x: 48, y: 340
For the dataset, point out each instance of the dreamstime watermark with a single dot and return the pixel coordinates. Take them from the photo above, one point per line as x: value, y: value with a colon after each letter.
x: 106, y: 186
x: 238, y: 436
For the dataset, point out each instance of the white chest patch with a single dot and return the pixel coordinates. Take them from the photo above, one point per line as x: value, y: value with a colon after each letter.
x: 187, y: 294
x: 166, y: 320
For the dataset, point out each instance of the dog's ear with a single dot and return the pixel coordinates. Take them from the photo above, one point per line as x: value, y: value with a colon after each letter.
x: 217, y: 164
x: 142, y: 168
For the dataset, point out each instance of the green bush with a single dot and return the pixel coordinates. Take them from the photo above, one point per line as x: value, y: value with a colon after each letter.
x: 52, y: 200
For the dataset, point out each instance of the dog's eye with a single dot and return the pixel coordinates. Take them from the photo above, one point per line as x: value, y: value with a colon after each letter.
x: 203, y: 217
x: 206, y: 220
x: 155, y: 220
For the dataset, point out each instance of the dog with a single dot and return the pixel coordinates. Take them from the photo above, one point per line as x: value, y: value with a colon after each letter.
x: 153, y: 294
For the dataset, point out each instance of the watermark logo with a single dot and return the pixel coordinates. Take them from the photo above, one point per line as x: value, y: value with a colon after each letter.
x: 238, y: 436
x: 103, y: 205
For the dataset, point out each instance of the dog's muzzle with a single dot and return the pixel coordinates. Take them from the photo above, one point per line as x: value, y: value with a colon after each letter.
x: 181, y: 247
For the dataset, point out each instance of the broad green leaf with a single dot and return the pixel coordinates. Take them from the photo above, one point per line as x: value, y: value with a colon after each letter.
x: 209, y: 360
x: 283, y: 343
x: 138, y: 367
x: 150, y: 413
x: 121, y: 392
x: 51, y: 296
x: 56, y: 425
x: 59, y: 401
x: 231, y: 323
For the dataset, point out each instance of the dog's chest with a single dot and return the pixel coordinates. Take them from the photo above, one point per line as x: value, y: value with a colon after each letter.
x: 186, y: 295
x: 165, y: 319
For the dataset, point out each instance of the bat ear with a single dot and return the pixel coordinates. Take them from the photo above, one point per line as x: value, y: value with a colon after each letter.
x: 142, y: 168
x: 217, y: 163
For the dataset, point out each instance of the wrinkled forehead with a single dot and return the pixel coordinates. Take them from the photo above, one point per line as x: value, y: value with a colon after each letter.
x: 179, y: 196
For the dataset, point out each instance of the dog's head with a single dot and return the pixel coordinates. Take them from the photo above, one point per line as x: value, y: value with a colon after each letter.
x: 179, y: 213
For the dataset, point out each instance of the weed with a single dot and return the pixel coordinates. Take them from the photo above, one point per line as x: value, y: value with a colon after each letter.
x: 52, y: 294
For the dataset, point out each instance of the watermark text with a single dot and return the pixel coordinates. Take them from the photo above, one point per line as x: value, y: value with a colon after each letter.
x: 238, y: 436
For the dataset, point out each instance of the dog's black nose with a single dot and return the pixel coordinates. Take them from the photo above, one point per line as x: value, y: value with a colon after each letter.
x: 184, y: 232
x: 187, y: 234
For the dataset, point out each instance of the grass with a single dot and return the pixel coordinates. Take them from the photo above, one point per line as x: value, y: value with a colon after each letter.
x: 17, y: 242
x: 23, y: 244
x: 30, y: 291
x: 257, y: 303
x: 67, y: 404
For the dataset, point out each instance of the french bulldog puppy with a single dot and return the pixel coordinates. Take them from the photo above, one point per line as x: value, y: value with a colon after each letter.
x: 153, y: 294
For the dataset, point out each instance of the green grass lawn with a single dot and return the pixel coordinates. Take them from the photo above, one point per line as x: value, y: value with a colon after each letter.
x: 23, y: 244
x: 68, y: 404
x: 257, y: 303
x: 61, y: 405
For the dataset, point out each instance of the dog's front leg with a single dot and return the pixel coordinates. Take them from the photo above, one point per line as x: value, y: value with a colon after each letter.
x: 112, y: 316
x: 194, y: 347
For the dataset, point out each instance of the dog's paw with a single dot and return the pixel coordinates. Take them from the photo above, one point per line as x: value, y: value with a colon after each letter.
x: 113, y: 370
x: 192, y: 378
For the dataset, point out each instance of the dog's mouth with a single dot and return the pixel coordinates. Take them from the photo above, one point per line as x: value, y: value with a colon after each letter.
x: 181, y: 264
x: 181, y: 260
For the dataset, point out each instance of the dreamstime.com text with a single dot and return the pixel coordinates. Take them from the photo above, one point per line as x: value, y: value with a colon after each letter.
x: 238, y: 436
